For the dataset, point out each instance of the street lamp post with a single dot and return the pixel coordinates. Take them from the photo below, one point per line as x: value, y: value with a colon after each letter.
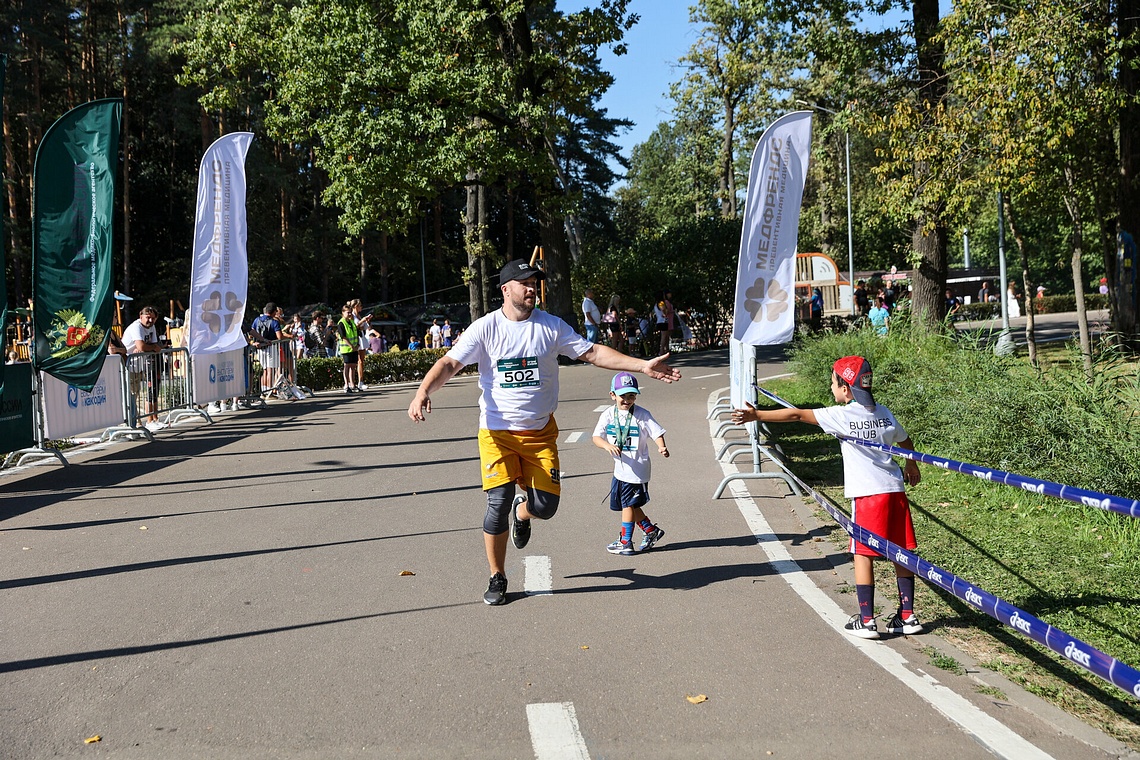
x: 850, y: 235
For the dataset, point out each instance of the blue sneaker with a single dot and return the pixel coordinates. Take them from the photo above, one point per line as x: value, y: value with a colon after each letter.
x: 624, y: 548
x: 651, y: 538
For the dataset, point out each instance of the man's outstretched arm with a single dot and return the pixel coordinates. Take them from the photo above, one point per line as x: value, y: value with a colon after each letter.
x: 442, y: 371
x: 607, y: 358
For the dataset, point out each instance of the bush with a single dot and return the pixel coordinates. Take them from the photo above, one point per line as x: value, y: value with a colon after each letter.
x: 390, y: 367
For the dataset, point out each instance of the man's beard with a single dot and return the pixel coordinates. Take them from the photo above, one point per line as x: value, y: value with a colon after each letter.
x: 520, y: 304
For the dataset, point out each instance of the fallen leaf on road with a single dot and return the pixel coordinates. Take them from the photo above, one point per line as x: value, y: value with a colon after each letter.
x: 697, y: 699
x: 142, y: 527
x: 93, y: 739
x: 584, y: 646
x: 406, y: 572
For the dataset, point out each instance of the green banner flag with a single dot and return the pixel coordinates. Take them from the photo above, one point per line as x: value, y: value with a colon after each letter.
x: 72, y: 212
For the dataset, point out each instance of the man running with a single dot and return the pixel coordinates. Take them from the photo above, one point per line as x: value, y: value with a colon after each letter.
x: 517, y: 348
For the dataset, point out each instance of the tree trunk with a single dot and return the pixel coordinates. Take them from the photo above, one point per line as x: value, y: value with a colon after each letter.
x: 474, y: 266
x: 1073, y: 204
x: 437, y: 230
x: 362, y: 286
x: 486, y: 270
x: 385, y: 268
x: 1019, y: 241
x: 1122, y: 289
x: 510, y: 251
x: 126, y: 137
x: 929, y: 236
x: 558, y: 301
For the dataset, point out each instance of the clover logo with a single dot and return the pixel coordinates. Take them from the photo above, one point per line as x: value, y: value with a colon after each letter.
x: 757, y: 296
x: 220, y: 319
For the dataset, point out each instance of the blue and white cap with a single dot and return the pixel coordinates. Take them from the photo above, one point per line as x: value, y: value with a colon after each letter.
x: 624, y: 383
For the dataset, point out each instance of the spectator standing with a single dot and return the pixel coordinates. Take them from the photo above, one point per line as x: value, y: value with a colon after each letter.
x: 1011, y: 301
x: 140, y: 339
x: 517, y: 349
x: 624, y: 431
x: 1104, y: 286
x: 862, y: 300
x: 871, y: 479
x: 264, y: 330
x: 985, y: 295
x: 363, y: 323
x: 591, y: 316
x: 414, y: 343
x: 298, y: 331
x: 445, y: 332
x: 436, y: 334
x: 816, y: 307
x: 889, y: 296
x: 1040, y: 291
x: 953, y: 305
x: 315, y: 340
x: 879, y: 315
x: 375, y: 342
x: 613, y: 320
x: 348, y: 347
x: 663, y: 320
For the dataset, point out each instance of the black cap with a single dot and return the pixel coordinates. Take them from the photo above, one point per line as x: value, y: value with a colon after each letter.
x: 519, y: 270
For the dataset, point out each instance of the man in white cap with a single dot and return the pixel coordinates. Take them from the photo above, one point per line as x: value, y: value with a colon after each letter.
x: 517, y: 349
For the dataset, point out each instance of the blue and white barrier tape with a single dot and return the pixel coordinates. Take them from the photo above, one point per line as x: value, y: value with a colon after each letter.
x: 1103, y: 501
x: 1076, y: 651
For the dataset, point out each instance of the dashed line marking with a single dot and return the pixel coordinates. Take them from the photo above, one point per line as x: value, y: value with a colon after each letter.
x: 602, y: 408
x: 704, y: 377
x: 538, y: 579
x: 554, y: 732
x: 575, y: 436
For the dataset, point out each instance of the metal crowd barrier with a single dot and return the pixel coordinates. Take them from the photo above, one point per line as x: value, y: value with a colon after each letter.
x: 158, y: 386
x: 273, y: 371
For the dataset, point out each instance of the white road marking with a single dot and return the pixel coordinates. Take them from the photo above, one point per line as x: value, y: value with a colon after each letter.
x: 575, y: 436
x: 702, y: 377
x: 602, y: 408
x: 554, y: 732
x: 537, y: 577
x: 991, y: 733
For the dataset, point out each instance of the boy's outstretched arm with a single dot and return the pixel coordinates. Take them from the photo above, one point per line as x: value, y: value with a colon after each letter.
x: 662, y: 449
x: 752, y: 414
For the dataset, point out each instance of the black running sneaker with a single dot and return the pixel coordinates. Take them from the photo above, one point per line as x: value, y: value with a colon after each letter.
x: 496, y: 590
x: 520, y: 529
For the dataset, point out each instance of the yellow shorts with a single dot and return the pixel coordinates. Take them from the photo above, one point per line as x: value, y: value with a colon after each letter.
x: 526, y: 457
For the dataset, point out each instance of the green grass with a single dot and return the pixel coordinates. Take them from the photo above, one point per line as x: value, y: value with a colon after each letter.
x: 1075, y: 567
x: 944, y: 661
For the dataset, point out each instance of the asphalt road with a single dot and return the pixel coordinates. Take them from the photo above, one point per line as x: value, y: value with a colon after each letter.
x: 305, y: 581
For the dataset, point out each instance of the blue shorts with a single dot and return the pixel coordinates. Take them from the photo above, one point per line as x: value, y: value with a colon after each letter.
x: 628, y: 495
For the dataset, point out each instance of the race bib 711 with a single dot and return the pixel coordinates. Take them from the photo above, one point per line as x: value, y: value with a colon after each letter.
x: 517, y: 373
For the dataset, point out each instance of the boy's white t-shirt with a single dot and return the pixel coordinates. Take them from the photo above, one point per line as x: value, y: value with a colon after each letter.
x: 865, y: 471
x: 518, y: 366
x: 637, y: 429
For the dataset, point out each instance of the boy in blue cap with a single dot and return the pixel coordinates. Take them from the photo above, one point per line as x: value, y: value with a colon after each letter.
x: 624, y: 431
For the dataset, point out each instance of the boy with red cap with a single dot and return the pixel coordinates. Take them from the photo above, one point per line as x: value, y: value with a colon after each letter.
x: 871, y: 479
x: 624, y: 431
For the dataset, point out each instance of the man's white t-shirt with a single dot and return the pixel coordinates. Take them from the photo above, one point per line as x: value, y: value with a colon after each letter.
x: 590, y: 309
x: 635, y: 431
x: 518, y: 366
x: 865, y: 471
x: 136, y: 331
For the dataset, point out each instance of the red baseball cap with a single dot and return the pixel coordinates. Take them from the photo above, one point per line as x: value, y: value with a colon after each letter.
x: 856, y: 372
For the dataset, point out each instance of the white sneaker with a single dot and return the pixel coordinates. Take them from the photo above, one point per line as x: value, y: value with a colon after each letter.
x: 214, y: 408
x: 233, y: 407
x: 155, y: 426
x: 362, y: 387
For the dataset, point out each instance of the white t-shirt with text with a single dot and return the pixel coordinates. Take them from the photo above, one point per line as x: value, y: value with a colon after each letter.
x: 136, y: 331
x: 518, y: 366
x: 635, y: 431
x: 865, y: 471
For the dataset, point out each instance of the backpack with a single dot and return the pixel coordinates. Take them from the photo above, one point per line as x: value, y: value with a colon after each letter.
x: 263, y: 326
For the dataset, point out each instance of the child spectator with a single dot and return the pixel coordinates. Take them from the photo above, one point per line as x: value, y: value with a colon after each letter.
x: 623, y: 430
x: 870, y: 478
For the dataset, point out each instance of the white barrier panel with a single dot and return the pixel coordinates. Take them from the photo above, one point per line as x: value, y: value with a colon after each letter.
x: 218, y: 376
x: 69, y: 411
x: 742, y: 373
